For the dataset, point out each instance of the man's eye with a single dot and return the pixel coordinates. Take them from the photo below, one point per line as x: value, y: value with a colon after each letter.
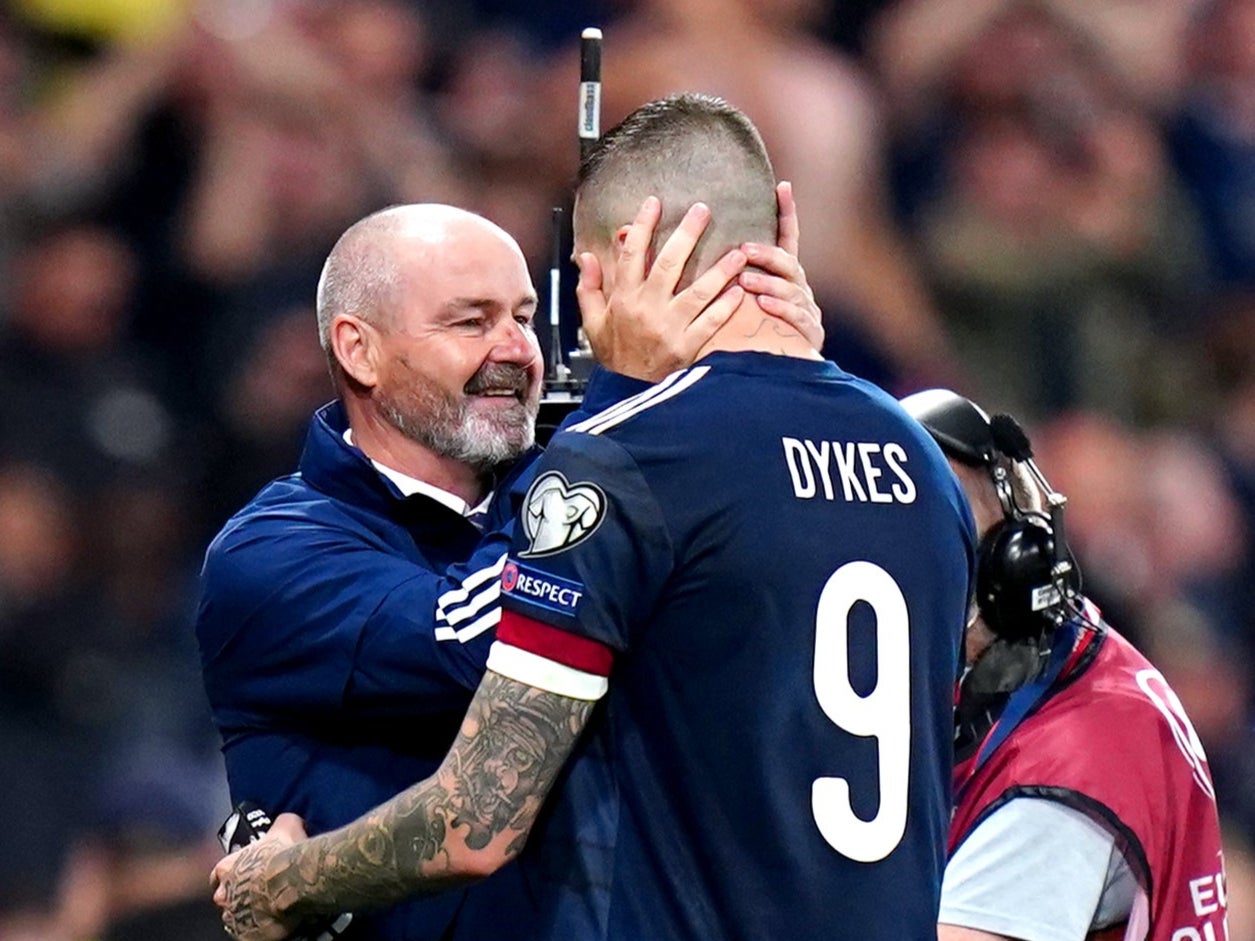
x: 469, y: 323
x: 524, y: 321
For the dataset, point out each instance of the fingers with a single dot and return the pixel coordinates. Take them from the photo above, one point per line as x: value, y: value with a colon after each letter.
x: 694, y: 299
x: 665, y: 273
x: 805, y: 319
x: 708, y: 322
x: 788, y: 231
x: 777, y: 261
x: 218, y: 876
x: 780, y: 285
x: 755, y: 282
x: 636, y: 242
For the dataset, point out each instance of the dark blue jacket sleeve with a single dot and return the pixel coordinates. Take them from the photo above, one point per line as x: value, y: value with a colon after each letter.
x: 302, y: 619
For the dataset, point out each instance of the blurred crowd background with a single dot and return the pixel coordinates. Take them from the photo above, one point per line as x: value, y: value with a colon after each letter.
x: 1048, y: 205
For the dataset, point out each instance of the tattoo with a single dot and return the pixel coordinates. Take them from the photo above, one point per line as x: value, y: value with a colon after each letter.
x: 764, y: 322
x: 773, y: 325
x: 470, y: 817
x: 250, y: 905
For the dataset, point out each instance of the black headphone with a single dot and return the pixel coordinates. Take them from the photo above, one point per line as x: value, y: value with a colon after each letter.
x: 1027, y: 579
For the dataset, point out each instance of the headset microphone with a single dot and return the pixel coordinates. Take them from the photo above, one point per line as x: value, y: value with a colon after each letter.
x: 1011, y: 440
x: 1027, y: 581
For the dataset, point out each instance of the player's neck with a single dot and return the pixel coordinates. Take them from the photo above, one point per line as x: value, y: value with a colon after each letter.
x: 380, y: 441
x: 750, y: 329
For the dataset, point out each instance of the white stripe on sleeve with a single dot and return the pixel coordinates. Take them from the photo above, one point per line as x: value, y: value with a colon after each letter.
x: 471, y: 582
x: 472, y: 630
x: 543, y: 673
x: 487, y: 595
x: 478, y: 590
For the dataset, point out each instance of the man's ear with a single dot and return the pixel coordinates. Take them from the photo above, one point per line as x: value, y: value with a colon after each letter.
x: 620, y: 236
x: 355, y: 344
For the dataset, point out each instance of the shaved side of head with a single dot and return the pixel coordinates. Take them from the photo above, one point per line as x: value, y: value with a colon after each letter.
x: 362, y: 275
x: 683, y: 149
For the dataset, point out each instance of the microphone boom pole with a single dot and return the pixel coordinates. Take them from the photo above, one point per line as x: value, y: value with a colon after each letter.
x: 589, y: 125
x: 590, y: 89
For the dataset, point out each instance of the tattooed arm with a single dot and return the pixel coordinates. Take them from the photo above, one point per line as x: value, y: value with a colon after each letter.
x: 463, y: 823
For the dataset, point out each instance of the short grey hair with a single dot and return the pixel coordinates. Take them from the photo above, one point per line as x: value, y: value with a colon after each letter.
x: 362, y: 275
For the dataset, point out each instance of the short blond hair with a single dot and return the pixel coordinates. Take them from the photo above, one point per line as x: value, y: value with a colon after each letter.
x: 683, y: 149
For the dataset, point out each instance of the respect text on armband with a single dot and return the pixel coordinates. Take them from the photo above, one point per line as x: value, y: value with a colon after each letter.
x: 1210, y: 900
x: 548, y: 591
x: 853, y: 471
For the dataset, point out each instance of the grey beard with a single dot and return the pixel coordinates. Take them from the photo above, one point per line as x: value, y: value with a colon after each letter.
x: 453, y: 431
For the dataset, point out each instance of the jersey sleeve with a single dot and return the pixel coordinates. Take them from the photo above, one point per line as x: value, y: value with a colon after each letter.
x: 589, y: 557
x: 1038, y: 870
x: 304, y: 618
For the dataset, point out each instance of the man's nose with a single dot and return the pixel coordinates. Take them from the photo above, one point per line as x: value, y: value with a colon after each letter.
x: 514, y: 343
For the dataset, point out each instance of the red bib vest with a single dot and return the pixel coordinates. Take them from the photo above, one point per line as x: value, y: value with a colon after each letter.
x: 1111, y: 740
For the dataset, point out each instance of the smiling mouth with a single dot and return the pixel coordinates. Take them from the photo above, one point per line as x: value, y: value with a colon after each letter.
x: 500, y: 381
x: 496, y: 399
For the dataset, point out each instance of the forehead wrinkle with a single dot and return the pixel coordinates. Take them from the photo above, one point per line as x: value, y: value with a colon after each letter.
x: 486, y: 303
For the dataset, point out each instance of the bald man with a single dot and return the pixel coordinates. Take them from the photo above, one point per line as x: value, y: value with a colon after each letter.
x: 729, y: 583
x: 346, y: 612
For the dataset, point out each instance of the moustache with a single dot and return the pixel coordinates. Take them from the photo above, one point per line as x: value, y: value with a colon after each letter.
x: 497, y: 376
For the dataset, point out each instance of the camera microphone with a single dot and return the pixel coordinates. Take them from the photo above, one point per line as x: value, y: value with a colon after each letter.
x: 1011, y: 440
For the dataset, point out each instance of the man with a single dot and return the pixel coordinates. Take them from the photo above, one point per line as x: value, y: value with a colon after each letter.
x: 1085, y: 805
x: 772, y: 618
x: 347, y: 610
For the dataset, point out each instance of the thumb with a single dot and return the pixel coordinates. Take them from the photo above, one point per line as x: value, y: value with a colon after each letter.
x: 789, y: 232
x: 217, y: 878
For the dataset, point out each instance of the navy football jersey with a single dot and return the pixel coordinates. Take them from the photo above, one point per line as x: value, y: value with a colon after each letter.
x: 764, y: 565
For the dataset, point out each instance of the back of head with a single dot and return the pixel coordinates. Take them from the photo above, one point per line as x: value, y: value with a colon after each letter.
x: 683, y: 149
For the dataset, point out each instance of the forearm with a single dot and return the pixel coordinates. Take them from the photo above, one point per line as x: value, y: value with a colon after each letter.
x: 394, y: 852
x: 463, y: 823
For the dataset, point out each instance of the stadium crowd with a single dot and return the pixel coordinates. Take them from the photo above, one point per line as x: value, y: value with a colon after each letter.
x: 1049, y: 206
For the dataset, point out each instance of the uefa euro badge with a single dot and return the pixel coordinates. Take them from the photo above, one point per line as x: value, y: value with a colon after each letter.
x: 558, y: 515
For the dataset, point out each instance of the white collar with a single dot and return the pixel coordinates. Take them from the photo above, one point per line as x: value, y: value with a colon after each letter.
x: 409, y: 486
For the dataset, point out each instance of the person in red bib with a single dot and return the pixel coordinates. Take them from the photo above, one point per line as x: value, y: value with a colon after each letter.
x: 1084, y: 806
